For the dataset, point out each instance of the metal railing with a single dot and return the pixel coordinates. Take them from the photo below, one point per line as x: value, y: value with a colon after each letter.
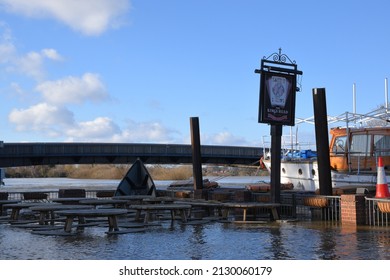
x: 54, y: 194
x: 374, y: 216
x: 293, y: 206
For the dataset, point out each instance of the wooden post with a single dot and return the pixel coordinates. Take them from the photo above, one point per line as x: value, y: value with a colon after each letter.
x: 276, y: 151
x: 322, y: 141
x: 196, y: 154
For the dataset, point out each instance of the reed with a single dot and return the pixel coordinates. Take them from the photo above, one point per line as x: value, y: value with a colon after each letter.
x: 118, y: 171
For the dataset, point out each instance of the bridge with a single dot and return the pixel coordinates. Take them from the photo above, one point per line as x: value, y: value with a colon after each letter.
x: 27, y: 154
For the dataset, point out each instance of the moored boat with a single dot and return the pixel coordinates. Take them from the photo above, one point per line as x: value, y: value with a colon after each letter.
x: 137, y: 181
x: 353, y: 151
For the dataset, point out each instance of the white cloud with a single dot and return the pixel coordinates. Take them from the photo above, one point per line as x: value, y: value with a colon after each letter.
x: 147, y: 132
x: 42, y: 117
x: 105, y: 130
x: 7, y: 47
x: 223, y: 138
x: 100, y: 129
x: 51, y: 54
x: 90, y: 17
x: 73, y: 90
x: 31, y: 64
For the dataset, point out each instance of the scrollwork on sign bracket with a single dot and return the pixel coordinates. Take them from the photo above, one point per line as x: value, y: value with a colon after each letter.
x: 279, y: 57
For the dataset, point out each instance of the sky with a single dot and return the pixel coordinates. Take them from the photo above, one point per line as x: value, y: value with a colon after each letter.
x: 136, y: 71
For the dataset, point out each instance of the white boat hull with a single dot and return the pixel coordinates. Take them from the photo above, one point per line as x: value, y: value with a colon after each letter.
x: 303, y: 174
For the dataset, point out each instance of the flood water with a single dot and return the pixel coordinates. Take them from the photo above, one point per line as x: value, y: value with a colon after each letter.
x: 300, y: 240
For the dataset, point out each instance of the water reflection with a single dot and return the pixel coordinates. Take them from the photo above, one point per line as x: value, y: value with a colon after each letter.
x: 327, y: 245
x: 277, y: 245
x: 197, y: 247
x: 300, y: 240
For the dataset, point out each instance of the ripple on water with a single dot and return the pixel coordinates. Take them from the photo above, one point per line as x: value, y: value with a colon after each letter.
x: 300, y: 240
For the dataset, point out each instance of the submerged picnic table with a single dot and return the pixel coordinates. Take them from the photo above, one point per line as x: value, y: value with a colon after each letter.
x: 182, y: 208
x: 250, y: 205
x: 117, y: 203
x: 17, y: 207
x: 69, y: 200
x: 208, y: 205
x: 4, y: 202
x: 132, y: 199
x: 111, y: 214
x: 48, y: 210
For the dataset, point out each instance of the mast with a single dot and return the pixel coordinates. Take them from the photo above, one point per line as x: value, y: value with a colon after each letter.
x: 354, y: 97
x: 386, y: 95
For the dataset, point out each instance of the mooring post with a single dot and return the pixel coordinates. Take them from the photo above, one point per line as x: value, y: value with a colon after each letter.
x: 322, y: 141
x: 276, y: 152
x: 196, y: 155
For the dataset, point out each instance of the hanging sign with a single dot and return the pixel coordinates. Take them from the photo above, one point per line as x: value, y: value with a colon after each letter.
x: 277, y: 98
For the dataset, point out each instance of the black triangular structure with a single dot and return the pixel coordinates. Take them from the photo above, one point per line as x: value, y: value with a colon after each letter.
x: 136, y: 182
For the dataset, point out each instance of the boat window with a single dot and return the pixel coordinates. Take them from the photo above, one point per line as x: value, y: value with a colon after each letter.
x: 382, y: 145
x: 339, y: 145
x: 360, y: 145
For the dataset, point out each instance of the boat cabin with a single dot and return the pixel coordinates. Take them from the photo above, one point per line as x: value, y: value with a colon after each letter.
x: 357, y: 149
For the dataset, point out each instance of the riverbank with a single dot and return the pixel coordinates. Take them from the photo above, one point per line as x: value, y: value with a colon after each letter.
x: 118, y: 171
x: 30, y: 184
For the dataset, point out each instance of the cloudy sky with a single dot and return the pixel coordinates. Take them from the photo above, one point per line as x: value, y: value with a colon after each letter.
x: 137, y: 71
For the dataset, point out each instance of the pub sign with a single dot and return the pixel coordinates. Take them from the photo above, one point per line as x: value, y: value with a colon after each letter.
x: 277, y: 98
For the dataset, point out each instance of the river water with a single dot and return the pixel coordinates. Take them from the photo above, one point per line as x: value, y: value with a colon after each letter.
x: 282, y: 240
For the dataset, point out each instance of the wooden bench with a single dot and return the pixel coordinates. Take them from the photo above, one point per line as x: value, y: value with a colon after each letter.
x: 111, y: 214
x: 250, y: 205
x: 104, y: 194
x: 3, y: 195
x: 182, y: 208
x: 35, y: 196
x: 62, y: 193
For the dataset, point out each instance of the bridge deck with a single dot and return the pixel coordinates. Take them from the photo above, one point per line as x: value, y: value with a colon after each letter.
x: 26, y: 154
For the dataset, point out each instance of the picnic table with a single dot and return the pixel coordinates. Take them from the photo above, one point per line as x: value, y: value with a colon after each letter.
x: 227, y: 206
x: 117, y: 203
x: 17, y: 207
x: 148, y: 208
x: 4, y: 202
x: 81, y: 214
x: 133, y: 199
x: 210, y: 206
x: 158, y: 199
x: 48, y: 211
x: 69, y: 200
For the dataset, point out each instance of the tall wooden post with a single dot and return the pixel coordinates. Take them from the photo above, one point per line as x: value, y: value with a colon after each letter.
x: 322, y: 141
x: 276, y: 147
x: 196, y: 154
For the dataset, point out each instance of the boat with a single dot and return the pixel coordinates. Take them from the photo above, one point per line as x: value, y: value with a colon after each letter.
x: 353, y: 152
x: 137, y: 181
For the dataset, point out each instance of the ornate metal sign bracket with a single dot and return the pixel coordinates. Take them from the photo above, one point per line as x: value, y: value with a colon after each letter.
x: 279, y: 57
x: 277, y: 89
x: 280, y: 63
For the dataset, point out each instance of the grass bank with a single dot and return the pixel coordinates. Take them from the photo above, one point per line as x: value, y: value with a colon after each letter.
x: 114, y: 171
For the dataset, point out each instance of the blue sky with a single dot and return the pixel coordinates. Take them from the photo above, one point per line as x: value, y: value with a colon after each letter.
x: 138, y: 70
